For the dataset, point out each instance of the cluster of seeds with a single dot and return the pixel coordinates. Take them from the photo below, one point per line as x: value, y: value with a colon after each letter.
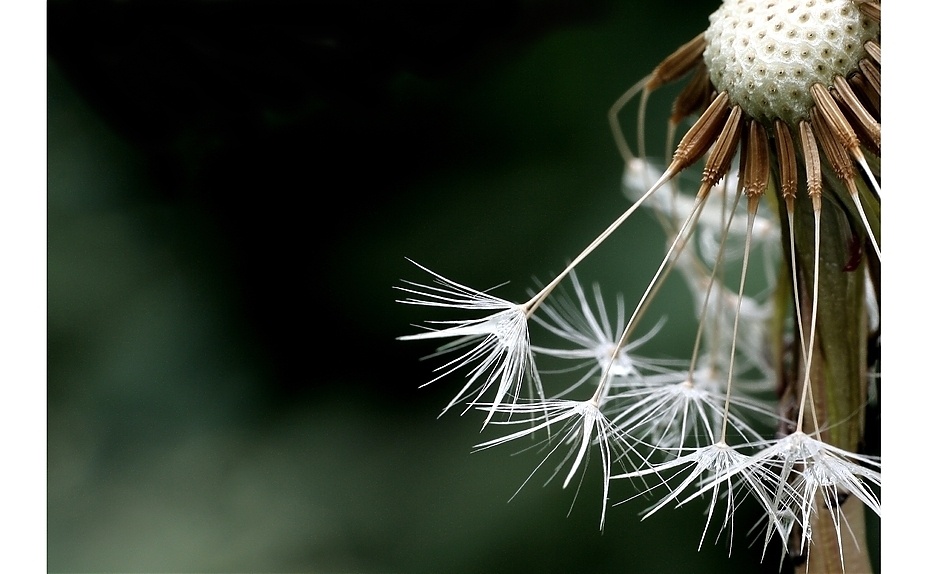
x: 792, y: 90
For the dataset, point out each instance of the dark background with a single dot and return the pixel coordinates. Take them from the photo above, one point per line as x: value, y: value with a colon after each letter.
x: 233, y: 187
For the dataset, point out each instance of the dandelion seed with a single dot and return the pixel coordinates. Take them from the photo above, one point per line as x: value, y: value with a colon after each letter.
x: 595, y: 339
x: 495, y: 349
x: 798, y: 471
x: 674, y: 410
x: 708, y: 470
x: 582, y: 425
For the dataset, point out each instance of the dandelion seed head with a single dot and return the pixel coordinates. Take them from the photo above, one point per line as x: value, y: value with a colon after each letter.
x: 768, y: 78
x: 767, y: 57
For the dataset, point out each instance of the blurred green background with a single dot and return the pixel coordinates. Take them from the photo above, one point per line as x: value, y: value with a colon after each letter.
x: 233, y: 188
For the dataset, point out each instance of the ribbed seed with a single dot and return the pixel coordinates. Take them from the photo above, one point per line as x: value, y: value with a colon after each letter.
x: 873, y: 48
x: 758, y: 162
x: 871, y: 73
x: 702, y: 134
x: 786, y: 157
x: 866, y: 92
x: 813, y: 164
x: 724, y: 149
x: 869, y: 126
x: 871, y: 10
x: 678, y: 63
x: 694, y: 97
x: 833, y: 150
x: 836, y: 120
